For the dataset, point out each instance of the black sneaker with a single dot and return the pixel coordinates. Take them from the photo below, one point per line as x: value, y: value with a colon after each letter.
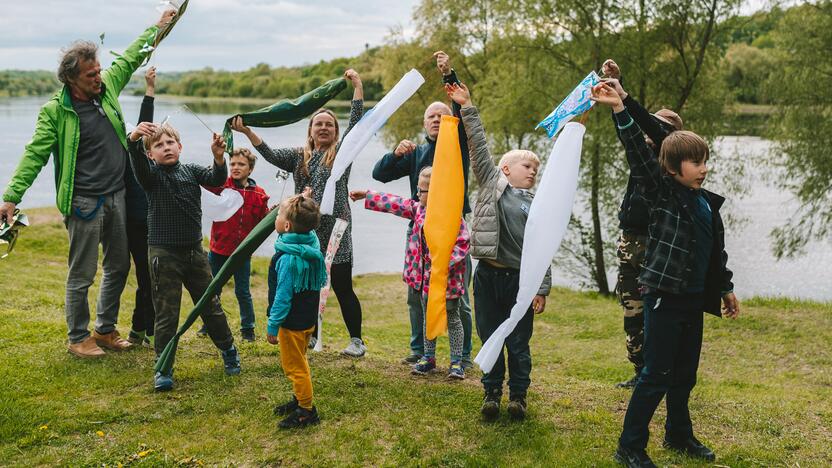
x: 490, y: 409
x: 202, y: 332
x: 300, y: 417
x: 690, y: 447
x: 412, y: 358
x: 517, y: 407
x: 247, y: 334
x: 286, y: 408
x: 628, y: 383
x: 633, y: 458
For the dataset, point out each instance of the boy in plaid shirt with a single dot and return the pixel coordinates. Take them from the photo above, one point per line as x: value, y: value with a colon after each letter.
x: 684, y: 274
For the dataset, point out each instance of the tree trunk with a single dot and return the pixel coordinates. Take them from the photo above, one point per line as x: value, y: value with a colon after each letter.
x: 600, y: 272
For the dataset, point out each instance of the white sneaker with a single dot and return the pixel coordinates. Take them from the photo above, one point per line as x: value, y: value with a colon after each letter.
x: 312, y: 342
x: 356, y: 348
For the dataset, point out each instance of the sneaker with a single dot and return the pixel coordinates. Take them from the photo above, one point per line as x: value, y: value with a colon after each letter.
x: 300, y: 417
x: 633, y: 458
x: 517, y: 407
x: 424, y: 366
x: 86, y: 349
x: 247, y: 334
x: 412, y: 358
x: 162, y: 382
x: 628, y: 383
x: 690, y: 447
x: 456, y: 371
x: 202, y: 332
x: 313, y: 341
x: 490, y: 409
x: 112, y: 341
x: 286, y: 408
x: 136, y: 338
x: 467, y: 363
x: 231, y: 361
x: 356, y: 348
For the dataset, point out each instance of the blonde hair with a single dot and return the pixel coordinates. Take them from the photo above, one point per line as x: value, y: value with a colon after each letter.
x: 329, y: 154
x: 161, y: 131
x: 516, y: 155
x: 245, y: 153
x: 426, y: 172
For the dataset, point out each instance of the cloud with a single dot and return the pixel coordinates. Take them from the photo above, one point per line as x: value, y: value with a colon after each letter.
x: 231, y: 34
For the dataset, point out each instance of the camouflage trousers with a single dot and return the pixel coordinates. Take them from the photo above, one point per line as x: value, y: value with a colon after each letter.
x: 631, y: 250
x: 170, y: 269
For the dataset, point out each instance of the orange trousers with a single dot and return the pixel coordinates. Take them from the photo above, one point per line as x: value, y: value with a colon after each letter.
x: 293, y: 345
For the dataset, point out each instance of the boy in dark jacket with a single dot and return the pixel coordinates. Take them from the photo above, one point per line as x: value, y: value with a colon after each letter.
x: 227, y: 235
x: 685, y: 273
x: 174, y: 241
x: 301, y: 273
x: 633, y: 217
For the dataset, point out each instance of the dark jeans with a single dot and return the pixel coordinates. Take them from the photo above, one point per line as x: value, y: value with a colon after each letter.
x: 144, y: 315
x: 672, y: 343
x: 495, y: 291
x: 170, y: 269
x: 241, y: 288
x: 340, y: 279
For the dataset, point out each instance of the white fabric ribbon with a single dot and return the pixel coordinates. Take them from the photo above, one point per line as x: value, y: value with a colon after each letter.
x: 218, y: 208
x: 363, y: 131
x: 548, y: 219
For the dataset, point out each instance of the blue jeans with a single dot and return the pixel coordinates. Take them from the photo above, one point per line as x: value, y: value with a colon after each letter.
x: 241, y: 288
x: 672, y: 344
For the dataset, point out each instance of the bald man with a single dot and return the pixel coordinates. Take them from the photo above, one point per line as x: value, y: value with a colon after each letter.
x: 407, y: 160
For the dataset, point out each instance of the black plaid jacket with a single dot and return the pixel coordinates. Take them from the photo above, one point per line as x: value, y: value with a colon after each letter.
x: 670, y: 234
x: 174, y: 212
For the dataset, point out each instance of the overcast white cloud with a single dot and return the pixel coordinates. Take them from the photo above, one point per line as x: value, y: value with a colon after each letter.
x: 228, y: 34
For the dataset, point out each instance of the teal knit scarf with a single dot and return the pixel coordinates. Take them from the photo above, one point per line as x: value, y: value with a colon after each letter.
x: 305, y: 259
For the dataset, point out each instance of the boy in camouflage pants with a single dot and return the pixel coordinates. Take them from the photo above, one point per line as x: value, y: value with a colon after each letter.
x: 633, y: 219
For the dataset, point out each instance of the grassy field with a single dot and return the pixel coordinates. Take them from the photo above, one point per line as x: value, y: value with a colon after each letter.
x: 764, y: 395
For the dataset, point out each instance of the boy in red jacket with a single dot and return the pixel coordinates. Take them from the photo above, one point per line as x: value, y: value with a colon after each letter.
x: 227, y: 235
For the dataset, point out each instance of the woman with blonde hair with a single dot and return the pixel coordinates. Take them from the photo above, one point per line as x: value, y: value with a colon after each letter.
x: 311, y: 166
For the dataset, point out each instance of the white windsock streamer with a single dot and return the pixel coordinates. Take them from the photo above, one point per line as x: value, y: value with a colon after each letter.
x: 545, y: 227
x: 220, y: 207
x: 360, y: 135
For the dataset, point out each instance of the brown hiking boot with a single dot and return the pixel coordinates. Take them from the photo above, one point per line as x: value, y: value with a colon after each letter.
x: 112, y: 341
x: 86, y: 349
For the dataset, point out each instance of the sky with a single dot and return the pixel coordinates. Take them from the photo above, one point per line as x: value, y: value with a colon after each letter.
x: 223, y: 34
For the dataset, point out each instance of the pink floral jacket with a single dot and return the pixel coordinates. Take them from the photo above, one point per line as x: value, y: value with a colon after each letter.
x: 417, y: 257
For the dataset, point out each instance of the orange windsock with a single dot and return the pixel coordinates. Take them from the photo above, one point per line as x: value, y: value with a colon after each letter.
x: 444, y: 213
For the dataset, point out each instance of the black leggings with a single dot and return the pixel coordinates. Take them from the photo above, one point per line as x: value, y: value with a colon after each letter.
x: 341, y: 284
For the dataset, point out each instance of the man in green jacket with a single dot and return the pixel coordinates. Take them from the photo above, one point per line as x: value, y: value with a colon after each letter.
x: 82, y: 125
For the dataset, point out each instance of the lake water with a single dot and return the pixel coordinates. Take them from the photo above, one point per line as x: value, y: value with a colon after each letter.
x: 379, y: 238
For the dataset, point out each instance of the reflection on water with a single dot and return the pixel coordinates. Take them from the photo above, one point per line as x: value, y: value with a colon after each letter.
x: 379, y: 238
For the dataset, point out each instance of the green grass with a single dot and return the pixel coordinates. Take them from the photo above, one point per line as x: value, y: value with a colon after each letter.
x: 764, y: 395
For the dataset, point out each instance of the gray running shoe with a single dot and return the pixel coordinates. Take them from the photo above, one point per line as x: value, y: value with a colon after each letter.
x: 356, y: 348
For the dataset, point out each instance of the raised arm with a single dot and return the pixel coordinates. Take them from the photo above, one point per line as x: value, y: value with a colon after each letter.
x: 395, y: 165
x: 484, y: 169
x: 216, y: 175
x: 644, y: 166
x: 138, y: 159
x: 119, y: 73
x: 146, y: 111
x: 284, y: 158
x: 357, y: 104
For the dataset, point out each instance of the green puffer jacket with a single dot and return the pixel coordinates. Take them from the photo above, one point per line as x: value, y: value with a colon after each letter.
x: 57, y: 130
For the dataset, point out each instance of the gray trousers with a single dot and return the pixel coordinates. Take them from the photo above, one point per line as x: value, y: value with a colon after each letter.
x: 106, y: 225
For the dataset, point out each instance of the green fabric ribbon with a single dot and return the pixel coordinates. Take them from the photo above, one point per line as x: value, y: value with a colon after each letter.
x: 306, y: 262
x: 286, y: 111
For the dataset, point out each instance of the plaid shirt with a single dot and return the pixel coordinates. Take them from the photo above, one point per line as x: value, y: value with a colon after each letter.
x: 174, y: 214
x: 670, y: 234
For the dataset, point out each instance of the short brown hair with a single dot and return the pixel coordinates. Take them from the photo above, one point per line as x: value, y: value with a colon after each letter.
x: 157, y: 135
x: 245, y: 153
x: 303, y: 213
x: 670, y: 117
x: 71, y: 57
x: 682, y: 145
